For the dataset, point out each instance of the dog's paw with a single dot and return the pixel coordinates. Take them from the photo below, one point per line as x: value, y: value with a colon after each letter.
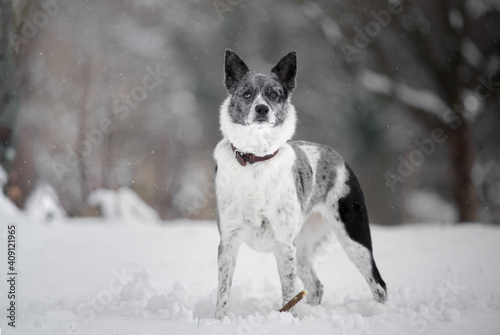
x: 293, y: 311
x: 379, y: 294
x: 314, y: 297
x: 220, y: 314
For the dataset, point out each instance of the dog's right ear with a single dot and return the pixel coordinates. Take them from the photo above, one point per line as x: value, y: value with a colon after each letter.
x: 235, y: 70
x: 286, y: 70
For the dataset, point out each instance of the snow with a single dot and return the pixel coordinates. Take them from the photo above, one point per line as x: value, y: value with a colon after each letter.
x: 415, y: 97
x: 430, y: 207
x: 86, y: 276
x: 477, y: 8
x: 43, y: 204
x: 376, y: 82
x: 99, y: 276
x: 456, y: 20
x: 7, y: 208
x: 123, y: 204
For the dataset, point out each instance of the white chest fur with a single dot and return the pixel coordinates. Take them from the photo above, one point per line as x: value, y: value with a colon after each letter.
x: 257, y: 202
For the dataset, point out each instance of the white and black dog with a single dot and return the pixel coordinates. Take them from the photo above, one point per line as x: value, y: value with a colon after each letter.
x: 282, y: 196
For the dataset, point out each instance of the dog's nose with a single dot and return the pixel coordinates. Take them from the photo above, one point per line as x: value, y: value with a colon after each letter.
x: 261, y: 110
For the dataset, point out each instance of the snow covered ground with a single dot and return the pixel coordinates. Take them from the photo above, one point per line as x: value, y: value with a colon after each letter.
x: 93, y: 276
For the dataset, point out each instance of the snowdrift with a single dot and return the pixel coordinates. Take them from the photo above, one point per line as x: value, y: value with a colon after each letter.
x: 84, y: 276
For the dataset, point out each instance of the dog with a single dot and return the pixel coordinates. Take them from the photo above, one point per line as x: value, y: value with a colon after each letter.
x: 278, y: 195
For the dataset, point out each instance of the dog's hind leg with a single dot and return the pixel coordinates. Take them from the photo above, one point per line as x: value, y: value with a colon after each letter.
x: 312, y: 234
x: 353, y: 232
x: 306, y: 273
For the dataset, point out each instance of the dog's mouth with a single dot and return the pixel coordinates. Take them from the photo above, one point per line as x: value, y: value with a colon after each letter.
x: 261, y: 123
x: 261, y: 119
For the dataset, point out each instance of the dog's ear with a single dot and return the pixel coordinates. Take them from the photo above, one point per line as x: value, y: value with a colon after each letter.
x: 285, y: 70
x: 235, y: 70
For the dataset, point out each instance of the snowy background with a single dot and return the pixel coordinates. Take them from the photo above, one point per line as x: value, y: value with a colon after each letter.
x: 103, y: 95
x: 109, y: 117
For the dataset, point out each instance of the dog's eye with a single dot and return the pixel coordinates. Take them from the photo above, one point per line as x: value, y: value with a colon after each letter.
x: 273, y: 95
x: 247, y: 95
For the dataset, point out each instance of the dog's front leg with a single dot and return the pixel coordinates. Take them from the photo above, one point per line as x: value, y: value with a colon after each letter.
x: 285, y: 258
x: 228, y: 251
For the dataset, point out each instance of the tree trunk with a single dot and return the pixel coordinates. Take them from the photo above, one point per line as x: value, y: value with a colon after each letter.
x: 463, y: 155
x: 84, y: 105
x: 8, y: 86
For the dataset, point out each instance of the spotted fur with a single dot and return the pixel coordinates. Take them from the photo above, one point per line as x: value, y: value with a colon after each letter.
x: 288, y: 205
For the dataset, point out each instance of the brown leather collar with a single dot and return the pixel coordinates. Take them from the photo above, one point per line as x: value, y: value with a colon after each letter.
x: 243, y: 158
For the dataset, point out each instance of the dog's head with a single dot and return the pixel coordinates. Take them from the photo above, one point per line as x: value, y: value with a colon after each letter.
x: 257, y: 116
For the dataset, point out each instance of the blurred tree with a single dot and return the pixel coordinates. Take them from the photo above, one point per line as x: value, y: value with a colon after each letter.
x: 90, y: 60
x: 436, y: 60
x: 7, y: 72
x: 10, y: 90
x: 107, y: 103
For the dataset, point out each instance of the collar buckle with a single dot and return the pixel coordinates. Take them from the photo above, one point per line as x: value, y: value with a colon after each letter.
x: 241, y: 158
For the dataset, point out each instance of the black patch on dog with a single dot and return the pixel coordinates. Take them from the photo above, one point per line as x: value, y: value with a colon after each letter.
x: 353, y: 213
x: 377, y: 276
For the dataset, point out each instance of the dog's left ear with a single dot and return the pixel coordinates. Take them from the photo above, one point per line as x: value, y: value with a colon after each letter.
x: 285, y: 70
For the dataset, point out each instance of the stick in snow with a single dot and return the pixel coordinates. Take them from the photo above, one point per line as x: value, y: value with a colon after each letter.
x: 294, y: 301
